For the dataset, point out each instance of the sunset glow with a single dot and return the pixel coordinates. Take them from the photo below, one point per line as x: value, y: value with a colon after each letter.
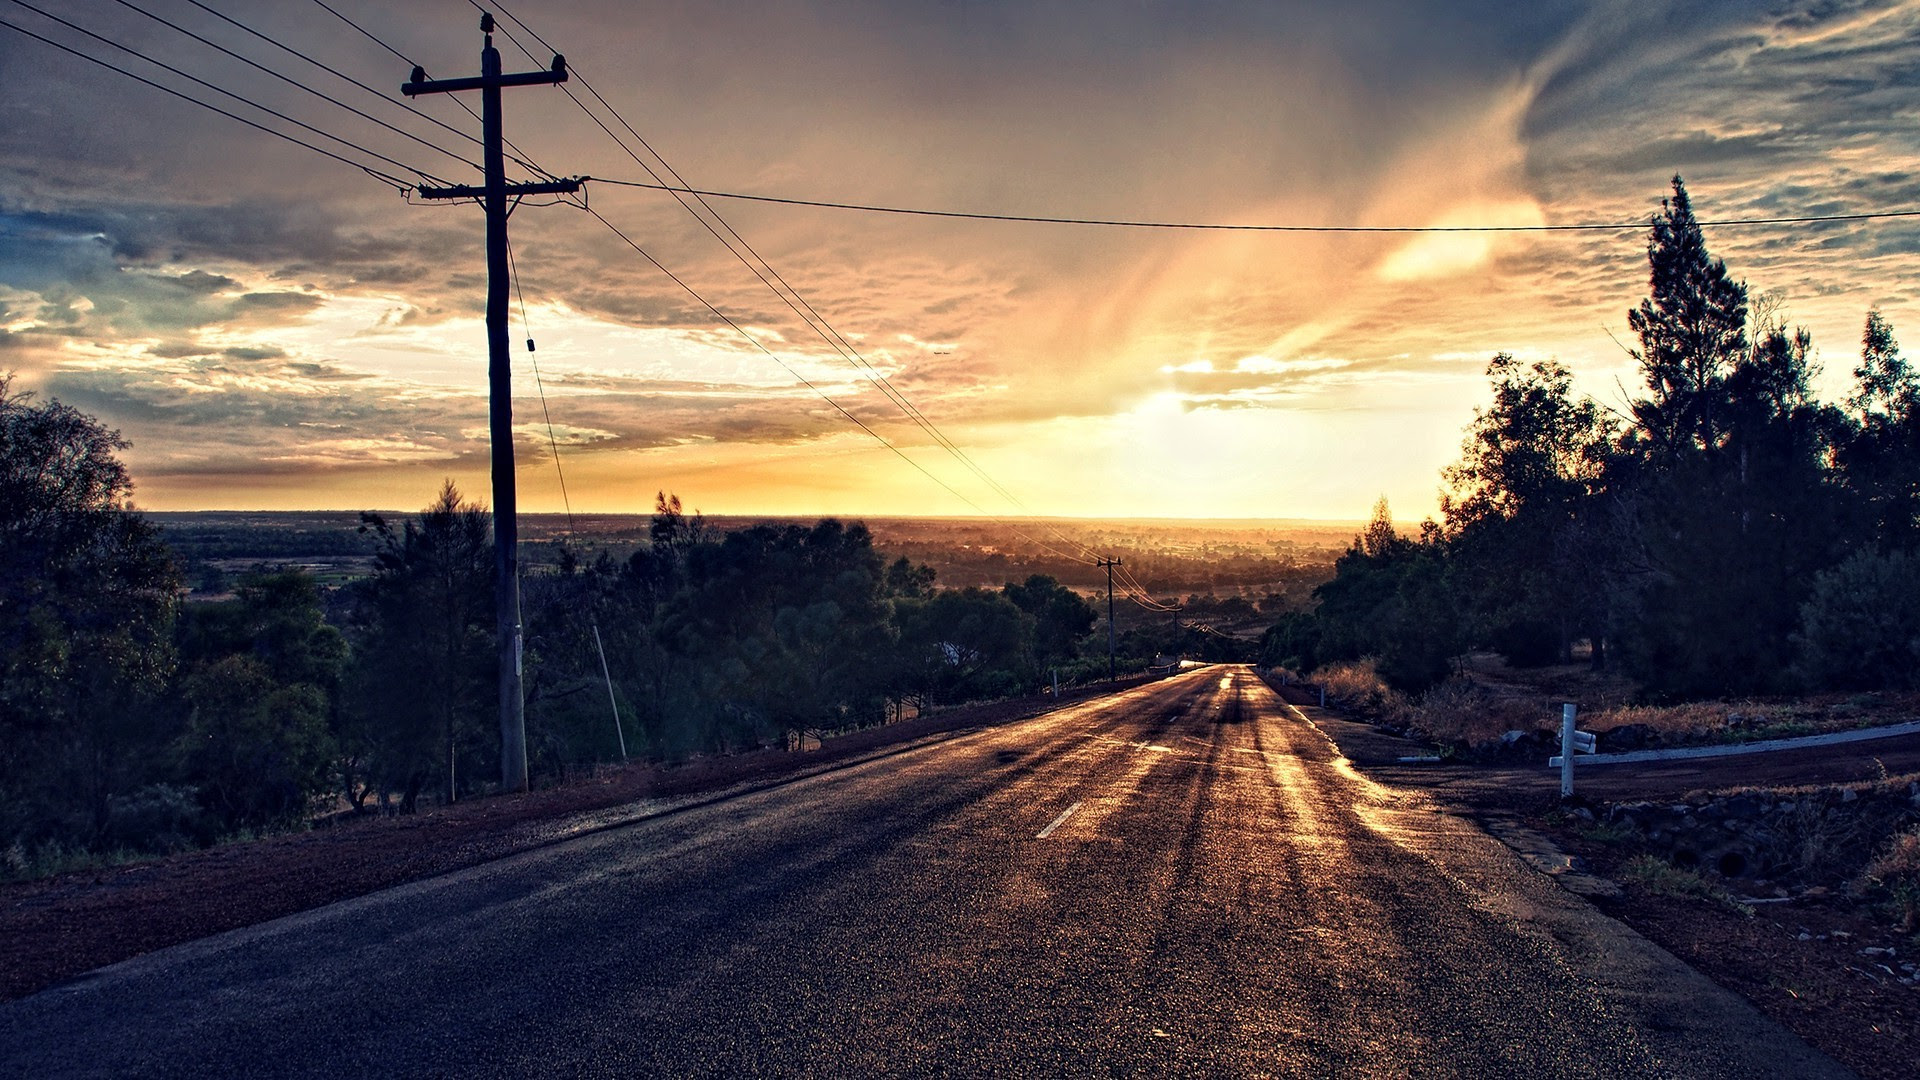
x: 274, y: 330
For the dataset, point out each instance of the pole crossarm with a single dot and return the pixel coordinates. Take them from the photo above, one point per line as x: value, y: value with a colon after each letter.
x: 479, y: 191
x: 416, y: 87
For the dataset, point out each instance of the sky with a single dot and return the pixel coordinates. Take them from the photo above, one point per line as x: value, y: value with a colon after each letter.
x: 273, y: 329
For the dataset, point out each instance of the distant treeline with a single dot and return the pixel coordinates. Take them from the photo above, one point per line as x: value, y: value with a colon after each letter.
x: 1730, y: 534
x: 130, y: 720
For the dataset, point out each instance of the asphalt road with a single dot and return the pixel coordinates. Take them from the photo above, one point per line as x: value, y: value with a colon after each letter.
x: 1184, y: 879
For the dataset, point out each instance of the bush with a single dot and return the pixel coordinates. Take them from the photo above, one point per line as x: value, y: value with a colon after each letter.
x: 1895, y: 874
x: 1860, y: 630
x: 1527, y: 643
x: 1460, y: 710
x: 158, y: 817
x: 1357, y: 685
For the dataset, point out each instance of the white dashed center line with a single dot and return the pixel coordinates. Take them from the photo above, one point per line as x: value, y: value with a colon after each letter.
x: 1057, y: 822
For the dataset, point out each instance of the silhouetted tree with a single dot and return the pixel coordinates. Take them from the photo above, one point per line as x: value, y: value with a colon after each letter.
x: 1691, y: 328
x: 87, y: 599
x: 426, y: 672
x: 1880, y: 455
x: 1521, y: 518
x: 1061, y: 619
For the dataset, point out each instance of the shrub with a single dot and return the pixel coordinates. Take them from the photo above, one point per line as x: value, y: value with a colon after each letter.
x: 1895, y: 873
x: 157, y: 817
x: 1465, y: 711
x: 1860, y: 629
x: 1662, y: 878
x: 1357, y: 685
x: 1527, y: 643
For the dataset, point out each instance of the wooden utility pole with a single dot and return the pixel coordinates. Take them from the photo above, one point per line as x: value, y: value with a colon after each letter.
x: 506, y: 532
x: 1110, y: 564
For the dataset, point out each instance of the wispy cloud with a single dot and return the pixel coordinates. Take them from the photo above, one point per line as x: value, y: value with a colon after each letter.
x: 257, y: 318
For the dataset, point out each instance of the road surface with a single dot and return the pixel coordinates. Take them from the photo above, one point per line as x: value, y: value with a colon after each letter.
x: 1183, y: 879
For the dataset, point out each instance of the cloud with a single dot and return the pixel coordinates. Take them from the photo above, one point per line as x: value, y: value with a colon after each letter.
x: 283, y: 309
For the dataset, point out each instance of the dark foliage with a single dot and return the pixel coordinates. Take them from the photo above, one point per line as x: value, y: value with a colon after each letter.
x: 1735, y: 536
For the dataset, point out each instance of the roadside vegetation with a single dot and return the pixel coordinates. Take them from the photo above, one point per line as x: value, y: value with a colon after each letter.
x: 137, y: 718
x: 1729, y: 539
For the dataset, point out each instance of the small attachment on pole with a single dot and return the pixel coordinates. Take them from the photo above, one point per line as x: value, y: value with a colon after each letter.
x: 559, y: 65
x: 529, y: 344
x: 419, y: 74
x: 486, y: 22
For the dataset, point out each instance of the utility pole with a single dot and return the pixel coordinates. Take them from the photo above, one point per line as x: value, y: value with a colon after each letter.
x: 1110, y: 564
x: 506, y: 530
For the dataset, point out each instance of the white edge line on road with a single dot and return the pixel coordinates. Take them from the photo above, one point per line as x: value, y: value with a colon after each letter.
x: 1057, y: 822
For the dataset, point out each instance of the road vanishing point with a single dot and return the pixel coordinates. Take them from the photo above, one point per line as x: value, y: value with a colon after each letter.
x: 1182, y: 879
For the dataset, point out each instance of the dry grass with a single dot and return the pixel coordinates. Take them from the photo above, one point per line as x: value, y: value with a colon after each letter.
x: 1471, y: 712
x: 1895, y: 872
x: 1357, y: 686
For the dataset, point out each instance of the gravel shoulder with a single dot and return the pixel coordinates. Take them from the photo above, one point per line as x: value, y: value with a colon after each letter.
x: 59, y: 927
x: 1812, y: 963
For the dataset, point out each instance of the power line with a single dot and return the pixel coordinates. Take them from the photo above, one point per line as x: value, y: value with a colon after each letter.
x: 518, y: 156
x: 513, y: 271
x: 222, y: 90
x: 785, y: 291
x: 810, y: 385
x: 755, y: 342
x: 288, y: 79
x: 1038, y: 219
x: 337, y: 73
x: 385, y: 178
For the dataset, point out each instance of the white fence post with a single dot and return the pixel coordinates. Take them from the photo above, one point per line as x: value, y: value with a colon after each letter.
x: 1566, y: 750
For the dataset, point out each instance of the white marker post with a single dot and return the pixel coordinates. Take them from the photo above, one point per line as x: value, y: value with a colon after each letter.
x: 1566, y: 750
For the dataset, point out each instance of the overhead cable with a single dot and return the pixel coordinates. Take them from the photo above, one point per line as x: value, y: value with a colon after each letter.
x: 385, y: 178
x: 1123, y: 223
x: 337, y: 73
x: 518, y: 157
x: 288, y: 79
x: 761, y: 269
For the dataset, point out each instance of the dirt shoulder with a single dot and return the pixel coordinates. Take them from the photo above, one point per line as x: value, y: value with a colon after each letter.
x: 55, y: 928
x: 1823, y: 965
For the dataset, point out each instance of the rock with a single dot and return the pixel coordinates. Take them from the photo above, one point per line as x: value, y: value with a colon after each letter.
x: 1804, y: 936
x: 1628, y: 737
x: 1876, y: 950
x: 1848, y: 795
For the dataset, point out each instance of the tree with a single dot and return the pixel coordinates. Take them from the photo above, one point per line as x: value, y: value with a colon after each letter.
x: 961, y: 643
x: 87, y: 599
x: 295, y: 662
x: 1860, y: 628
x: 1731, y: 506
x: 1061, y: 618
x: 257, y: 748
x: 1390, y: 599
x: 1879, y: 454
x: 426, y: 671
x: 1691, y: 328
x: 1520, y: 520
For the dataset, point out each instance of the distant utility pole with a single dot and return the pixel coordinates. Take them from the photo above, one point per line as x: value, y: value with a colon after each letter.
x: 1110, y: 564
x: 506, y: 531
